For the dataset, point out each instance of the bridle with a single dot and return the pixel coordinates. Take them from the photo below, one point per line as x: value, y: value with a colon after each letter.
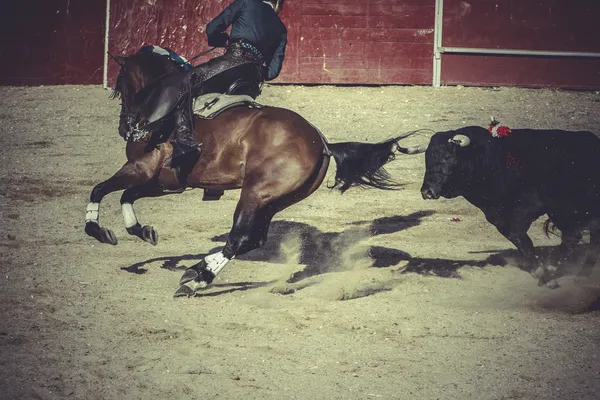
x: 131, y: 119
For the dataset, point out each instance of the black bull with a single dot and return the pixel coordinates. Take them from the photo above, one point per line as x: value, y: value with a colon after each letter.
x: 518, y: 178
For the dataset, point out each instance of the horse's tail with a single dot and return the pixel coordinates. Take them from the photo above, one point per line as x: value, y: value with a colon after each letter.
x: 362, y: 164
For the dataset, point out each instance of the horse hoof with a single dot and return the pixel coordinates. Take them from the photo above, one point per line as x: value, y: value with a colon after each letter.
x: 149, y: 235
x: 538, y: 273
x: 552, y: 269
x: 146, y: 233
x: 190, y: 288
x: 190, y: 274
x: 184, y: 291
x: 552, y: 284
x: 102, y: 235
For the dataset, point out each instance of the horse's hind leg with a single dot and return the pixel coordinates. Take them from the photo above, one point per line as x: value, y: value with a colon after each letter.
x: 250, y: 227
x: 149, y: 189
x: 131, y: 174
x: 254, y: 212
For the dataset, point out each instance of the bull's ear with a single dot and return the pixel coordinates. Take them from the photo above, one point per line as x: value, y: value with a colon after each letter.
x: 119, y: 59
x: 461, y: 140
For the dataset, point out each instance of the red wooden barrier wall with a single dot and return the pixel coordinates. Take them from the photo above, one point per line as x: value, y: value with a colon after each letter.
x: 52, y: 42
x: 330, y: 41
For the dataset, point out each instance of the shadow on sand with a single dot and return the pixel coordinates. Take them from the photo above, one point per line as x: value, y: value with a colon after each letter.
x: 323, y: 252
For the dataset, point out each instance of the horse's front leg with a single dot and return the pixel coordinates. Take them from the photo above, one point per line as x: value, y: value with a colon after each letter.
x: 133, y: 173
x: 150, y: 189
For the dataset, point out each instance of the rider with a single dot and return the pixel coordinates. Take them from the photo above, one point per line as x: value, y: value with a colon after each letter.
x: 255, y: 53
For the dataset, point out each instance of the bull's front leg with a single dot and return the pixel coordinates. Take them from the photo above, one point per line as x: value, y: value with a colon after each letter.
x: 570, y: 237
x: 591, y: 257
x: 515, y: 230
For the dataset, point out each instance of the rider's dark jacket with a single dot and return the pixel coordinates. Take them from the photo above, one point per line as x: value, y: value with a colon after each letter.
x: 257, y: 46
x: 257, y: 22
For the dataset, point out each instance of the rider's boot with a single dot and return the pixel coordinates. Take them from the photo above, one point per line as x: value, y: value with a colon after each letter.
x: 186, y: 149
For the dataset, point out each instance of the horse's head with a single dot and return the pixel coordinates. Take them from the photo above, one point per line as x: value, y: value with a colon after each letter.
x: 133, y: 76
x: 136, y: 72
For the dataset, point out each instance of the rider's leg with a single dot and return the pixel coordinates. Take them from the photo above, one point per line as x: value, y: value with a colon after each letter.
x: 185, y: 145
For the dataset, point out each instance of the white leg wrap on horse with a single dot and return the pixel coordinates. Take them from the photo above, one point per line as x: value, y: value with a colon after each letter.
x: 91, y: 213
x: 216, y: 262
x: 129, y: 215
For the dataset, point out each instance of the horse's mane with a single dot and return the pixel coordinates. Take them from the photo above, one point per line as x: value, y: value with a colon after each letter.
x: 116, y: 94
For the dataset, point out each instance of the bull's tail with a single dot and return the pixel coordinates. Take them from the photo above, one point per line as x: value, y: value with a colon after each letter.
x: 550, y: 228
x: 421, y: 148
x: 362, y: 164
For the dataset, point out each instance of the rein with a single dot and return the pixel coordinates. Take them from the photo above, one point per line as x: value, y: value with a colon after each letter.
x: 135, y: 132
x: 203, y: 53
x: 175, y: 66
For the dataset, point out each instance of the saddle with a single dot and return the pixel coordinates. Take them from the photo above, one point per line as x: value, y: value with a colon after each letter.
x: 210, y: 105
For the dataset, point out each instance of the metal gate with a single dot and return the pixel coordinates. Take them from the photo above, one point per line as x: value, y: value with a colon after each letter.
x: 529, y: 43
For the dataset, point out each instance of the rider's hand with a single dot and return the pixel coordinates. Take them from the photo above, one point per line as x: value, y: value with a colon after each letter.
x: 218, y: 40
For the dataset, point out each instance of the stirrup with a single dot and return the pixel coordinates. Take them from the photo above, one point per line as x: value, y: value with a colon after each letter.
x: 212, y: 194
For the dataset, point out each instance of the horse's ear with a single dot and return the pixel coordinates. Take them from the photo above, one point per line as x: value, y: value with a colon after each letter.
x: 119, y: 59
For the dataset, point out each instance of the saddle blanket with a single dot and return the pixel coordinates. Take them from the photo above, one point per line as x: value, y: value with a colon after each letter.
x: 209, y: 105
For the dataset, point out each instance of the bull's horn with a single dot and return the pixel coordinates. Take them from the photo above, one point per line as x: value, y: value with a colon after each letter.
x: 461, y: 140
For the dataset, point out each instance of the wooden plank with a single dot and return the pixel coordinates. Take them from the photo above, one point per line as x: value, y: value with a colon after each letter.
x: 422, y: 19
x: 335, y: 21
x: 337, y: 48
x: 370, y: 35
x: 335, y: 9
x: 303, y: 2
x: 404, y: 2
x: 335, y: 63
x: 402, y: 35
x: 351, y: 34
x: 401, y: 63
x: 382, y: 77
x: 411, y: 50
x: 402, y: 11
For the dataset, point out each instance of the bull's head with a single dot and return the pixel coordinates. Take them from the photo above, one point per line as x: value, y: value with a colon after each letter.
x: 445, y: 165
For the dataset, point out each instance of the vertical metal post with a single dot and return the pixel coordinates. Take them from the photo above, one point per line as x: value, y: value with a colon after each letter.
x: 437, y: 42
x: 106, y: 35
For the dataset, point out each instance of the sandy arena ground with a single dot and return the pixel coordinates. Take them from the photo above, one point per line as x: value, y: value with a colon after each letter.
x: 398, y: 301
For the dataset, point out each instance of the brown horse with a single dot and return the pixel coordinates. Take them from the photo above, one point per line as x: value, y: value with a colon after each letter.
x: 273, y: 155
